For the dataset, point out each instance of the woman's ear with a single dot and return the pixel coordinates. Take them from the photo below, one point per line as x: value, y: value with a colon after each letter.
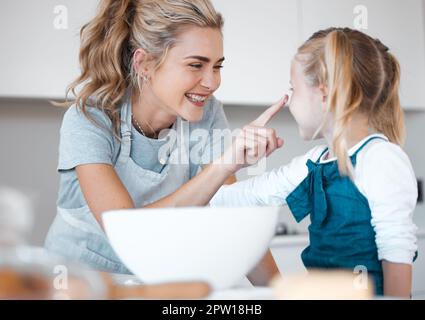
x: 142, y: 63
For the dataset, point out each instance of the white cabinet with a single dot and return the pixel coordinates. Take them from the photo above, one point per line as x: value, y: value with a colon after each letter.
x: 38, y: 58
x: 286, y: 251
x: 398, y: 24
x: 259, y: 42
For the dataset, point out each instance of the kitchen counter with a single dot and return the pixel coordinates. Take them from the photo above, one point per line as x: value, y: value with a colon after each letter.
x: 302, y: 238
x: 294, y: 239
x: 244, y: 291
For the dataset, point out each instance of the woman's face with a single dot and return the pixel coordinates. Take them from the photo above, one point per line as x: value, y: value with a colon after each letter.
x: 190, y: 73
x: 307, y: 103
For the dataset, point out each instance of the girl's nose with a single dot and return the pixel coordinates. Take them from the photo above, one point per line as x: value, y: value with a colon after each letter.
x: 289, y: 93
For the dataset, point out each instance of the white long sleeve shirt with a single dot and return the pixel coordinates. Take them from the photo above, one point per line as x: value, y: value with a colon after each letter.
x: 383, y: 174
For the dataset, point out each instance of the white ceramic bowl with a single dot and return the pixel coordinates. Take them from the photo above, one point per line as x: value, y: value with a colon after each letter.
x: 216, y: 245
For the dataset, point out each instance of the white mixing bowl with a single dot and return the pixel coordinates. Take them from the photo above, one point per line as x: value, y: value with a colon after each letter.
x: 216, y: 245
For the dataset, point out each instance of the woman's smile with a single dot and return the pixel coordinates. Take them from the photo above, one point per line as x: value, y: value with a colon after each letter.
x: 197, y: 99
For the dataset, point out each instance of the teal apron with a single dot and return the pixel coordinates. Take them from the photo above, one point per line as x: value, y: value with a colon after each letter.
x: 341, y: 234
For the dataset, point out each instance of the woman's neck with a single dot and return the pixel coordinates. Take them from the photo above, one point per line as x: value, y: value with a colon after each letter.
x: 357, y: 130
x: 150, y: 115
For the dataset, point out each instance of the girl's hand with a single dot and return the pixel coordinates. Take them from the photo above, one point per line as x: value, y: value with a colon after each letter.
x: 253, y: 142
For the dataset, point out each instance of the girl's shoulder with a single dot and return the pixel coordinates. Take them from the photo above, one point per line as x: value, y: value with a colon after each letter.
x: 386, y: 163
x: 380, y: 151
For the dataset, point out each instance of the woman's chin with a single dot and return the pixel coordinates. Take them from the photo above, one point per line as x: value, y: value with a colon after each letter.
x: 192, y: 116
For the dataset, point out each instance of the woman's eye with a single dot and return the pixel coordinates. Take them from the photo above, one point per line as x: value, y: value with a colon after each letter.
x: 196, y: 65
x: 218, y: 67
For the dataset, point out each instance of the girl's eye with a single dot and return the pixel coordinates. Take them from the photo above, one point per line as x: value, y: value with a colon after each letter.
x: 218, y: 67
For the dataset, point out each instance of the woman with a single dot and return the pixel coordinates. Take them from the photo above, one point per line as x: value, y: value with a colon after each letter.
x: 146, y: 66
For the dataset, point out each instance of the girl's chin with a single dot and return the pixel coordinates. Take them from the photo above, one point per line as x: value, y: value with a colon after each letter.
x: 307, y: 136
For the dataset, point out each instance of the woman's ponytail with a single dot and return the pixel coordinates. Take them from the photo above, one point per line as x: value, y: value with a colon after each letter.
x: 109, y: 40
x: 104, y: 58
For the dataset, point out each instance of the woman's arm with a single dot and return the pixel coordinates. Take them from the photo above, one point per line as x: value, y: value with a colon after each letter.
x: 397, y: 279
x: 103, y: 189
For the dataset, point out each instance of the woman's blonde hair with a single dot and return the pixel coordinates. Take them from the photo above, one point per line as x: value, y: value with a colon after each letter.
x: 110, y: 39
x: 360, y: 75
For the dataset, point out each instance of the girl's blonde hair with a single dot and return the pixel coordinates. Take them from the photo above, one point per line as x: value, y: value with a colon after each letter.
x: 360, y: 75
x: 110, y: 39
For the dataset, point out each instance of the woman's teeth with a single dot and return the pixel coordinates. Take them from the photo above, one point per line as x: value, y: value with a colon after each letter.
x: 196, y: 98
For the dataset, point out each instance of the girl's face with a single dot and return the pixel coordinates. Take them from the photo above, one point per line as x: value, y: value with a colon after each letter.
x: 190, y: 73
x: 307, y: 103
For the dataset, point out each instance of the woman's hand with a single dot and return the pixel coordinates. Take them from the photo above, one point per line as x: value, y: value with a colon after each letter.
x: 253, y: 142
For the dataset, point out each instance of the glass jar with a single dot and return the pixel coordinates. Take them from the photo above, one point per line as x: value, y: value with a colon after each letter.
x: 28, y: 272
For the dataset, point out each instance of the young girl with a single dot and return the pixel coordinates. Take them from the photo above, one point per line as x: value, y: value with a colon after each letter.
x: 359, y: 189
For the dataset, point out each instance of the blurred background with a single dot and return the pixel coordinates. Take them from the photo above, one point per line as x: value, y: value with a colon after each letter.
x: 39, y: 43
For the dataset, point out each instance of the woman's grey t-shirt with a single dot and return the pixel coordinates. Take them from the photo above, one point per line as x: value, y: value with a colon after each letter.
x: 84, y: 142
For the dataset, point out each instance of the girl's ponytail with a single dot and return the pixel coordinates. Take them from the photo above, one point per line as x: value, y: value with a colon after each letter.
x: 388, y: 116
x: 343, y: 94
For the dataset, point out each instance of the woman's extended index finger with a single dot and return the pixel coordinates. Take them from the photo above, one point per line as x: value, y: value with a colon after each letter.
x: 269, y: 114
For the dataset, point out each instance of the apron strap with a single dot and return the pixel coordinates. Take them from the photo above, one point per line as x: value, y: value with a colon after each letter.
x: 366, y: 142
x: 125, y: 130
x: 357, y: 151
x: 321, y: 155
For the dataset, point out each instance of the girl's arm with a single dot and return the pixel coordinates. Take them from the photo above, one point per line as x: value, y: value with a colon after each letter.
x: 264, y: 271
x: 397, y: 279
x: 384, y: 174
x: 267, y: 189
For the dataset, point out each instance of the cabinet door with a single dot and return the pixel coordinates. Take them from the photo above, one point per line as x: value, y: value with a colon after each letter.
x: 39, y: 46
x: 288, y: 257
x: 419, y: 270
x: 398, y: 24
x: 259, y: 42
